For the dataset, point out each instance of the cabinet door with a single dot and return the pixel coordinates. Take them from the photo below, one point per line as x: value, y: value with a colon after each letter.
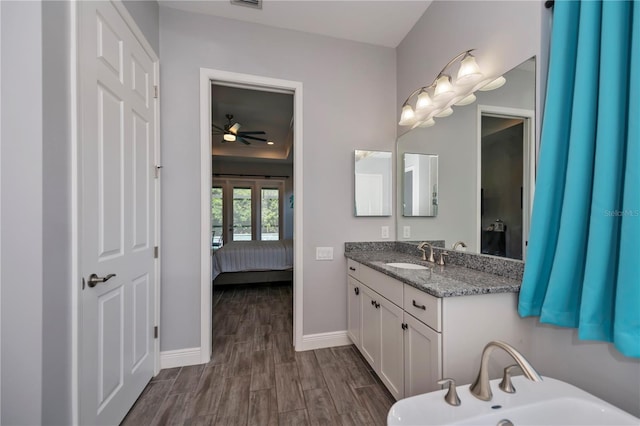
x: 391, y: 369
x: 354, y: 311
x: 422, y: 357
x: 370, y: 337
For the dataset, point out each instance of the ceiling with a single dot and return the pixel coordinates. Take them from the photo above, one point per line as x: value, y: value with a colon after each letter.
x: 255, y: 110
x: 379, y: 22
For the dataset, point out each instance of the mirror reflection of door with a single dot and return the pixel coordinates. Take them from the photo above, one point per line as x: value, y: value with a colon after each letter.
x: 505, y: 184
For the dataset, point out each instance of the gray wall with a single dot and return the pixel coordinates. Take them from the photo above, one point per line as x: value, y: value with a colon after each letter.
x: 344, y: 83
x: 56, y: 233
x: 22, y: 213
x: 146, y: 13
x: 512, y: 32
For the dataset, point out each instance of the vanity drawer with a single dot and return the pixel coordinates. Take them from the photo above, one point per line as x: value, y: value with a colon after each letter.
x: 382, y: 284
x: 423, y: 306
x: 353, y: 268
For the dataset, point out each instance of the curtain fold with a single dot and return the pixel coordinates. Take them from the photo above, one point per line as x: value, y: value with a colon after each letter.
x: 582, y: 268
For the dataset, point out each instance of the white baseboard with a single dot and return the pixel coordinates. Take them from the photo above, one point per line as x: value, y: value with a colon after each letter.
x: 324, y: 340
x: 180, y: 358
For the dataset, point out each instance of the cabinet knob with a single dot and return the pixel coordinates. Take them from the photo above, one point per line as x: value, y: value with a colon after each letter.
x: 351, y: 268
x: 405, y: 326
x: 373, y: 303
x: 356, y: 290
x: 377, y: 305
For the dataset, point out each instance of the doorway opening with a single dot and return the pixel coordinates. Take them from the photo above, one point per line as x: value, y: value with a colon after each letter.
x: 506, y: 180
x: 250, y: 176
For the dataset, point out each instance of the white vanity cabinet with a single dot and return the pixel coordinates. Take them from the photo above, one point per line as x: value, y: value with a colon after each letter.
x: 355, y: 311
x: 412, y: 339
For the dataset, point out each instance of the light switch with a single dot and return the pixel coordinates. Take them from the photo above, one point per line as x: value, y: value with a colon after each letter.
x: 406, y: 232
x: 324, y: 253
x: 384, y: 232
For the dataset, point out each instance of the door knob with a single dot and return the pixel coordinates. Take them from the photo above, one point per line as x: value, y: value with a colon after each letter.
x: 94, y: 279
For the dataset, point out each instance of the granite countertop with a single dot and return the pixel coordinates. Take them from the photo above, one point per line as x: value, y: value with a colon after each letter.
x: 439, y: 281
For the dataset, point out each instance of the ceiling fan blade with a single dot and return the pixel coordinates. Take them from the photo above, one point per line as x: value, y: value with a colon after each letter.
x: 259, y: 132
x: 241, y: 139
x: 217, y: 127
x: 254, y: 138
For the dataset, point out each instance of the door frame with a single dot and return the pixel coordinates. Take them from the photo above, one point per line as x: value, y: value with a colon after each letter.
x: 528, y: 170
x: 256, y: 82
x: 76, y: 196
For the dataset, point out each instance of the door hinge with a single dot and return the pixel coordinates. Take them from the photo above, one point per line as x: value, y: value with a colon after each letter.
x: 155, y: 332
x: 155, y: 252
x: 155, y: 92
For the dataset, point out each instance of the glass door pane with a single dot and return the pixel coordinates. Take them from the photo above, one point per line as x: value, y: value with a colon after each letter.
x: 270, y: 210
x: 216, y: 217
x: 241, y: 214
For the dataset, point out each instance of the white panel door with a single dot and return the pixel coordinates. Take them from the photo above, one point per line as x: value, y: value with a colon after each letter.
x: 354, y: 308
x: 117, y: 214
x: 422, y: 357
x: 391, y: 370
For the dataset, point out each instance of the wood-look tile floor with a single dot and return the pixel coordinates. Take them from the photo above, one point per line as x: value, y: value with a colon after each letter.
x: 256, y: 378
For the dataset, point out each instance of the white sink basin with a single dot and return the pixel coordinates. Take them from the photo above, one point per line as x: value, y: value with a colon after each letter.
x: 406, y: 265
x: 550, y: 402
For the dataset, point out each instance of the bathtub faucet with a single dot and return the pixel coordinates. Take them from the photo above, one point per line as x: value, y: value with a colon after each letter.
x: 481, y: 388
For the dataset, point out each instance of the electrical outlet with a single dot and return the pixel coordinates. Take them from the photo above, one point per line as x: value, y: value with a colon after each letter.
x: 324, y: 253
x: 406, y: 232
x: 384, y: 232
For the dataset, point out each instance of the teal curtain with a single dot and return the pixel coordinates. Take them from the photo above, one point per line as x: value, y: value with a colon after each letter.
x: 583, y: 262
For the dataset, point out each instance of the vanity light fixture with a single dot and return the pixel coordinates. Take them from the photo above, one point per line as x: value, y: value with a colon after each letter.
x: 436, y: 99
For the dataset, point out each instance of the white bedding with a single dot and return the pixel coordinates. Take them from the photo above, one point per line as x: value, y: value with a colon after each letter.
x: 243, y: 256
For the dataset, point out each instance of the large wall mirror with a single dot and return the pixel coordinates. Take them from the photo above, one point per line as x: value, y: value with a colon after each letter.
x: 486, y: 168
x: 373, y: 183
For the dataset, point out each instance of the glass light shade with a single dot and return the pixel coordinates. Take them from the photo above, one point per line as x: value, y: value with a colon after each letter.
x: 445, y: 113
x: 428, y: 123
x: 407, y: 117
x: 424, y: 101
x: 270, y: 142
x: 466, y: 100
x: 494, y: 84
x: 469, y: 71
x: 229, y: 137
x: 443, y: 86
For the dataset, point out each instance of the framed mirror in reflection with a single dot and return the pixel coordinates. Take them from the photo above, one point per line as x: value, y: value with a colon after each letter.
x: 420, y: 185
x: 486, y: 167
x: 373, y: 183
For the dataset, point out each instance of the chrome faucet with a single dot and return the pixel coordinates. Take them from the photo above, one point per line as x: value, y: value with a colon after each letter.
x: 481, y: 388
x: 424, y: 254
x: 459, y: 243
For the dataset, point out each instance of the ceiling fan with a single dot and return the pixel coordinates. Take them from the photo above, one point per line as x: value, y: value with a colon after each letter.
x: 231, y: 132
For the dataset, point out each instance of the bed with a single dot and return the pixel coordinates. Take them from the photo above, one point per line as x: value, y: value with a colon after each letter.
x: 242, y: 262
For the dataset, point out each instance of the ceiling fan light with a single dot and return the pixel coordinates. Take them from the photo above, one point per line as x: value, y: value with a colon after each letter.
x: 229, y: 137
x: 234, y: 129
x: 270, y: 143
x: 494, y: 84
